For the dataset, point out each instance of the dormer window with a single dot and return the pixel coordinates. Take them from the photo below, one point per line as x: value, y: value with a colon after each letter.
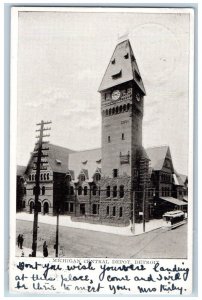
x: 58, y: 161
x: 117, y: 75
x: 97, y: 176
x: 82, y: 177
x: 113, y: 61
x: 126, y: 56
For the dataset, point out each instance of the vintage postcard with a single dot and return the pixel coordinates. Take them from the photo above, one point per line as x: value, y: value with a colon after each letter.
x: 101, y: 195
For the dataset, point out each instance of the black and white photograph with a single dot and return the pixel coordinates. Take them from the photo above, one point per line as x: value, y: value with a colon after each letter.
x: 102, y: 103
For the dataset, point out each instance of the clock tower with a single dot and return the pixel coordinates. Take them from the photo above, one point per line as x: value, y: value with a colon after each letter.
x: 122, y: 101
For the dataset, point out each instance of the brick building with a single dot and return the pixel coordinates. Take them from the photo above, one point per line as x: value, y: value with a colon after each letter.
x: 122, y: 181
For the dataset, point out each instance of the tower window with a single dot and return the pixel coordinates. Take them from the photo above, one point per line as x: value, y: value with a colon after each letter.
x: 122, y: 136
x: 43, y: 190
x: 126, y: 56
x: 115, y: 173
x: 113, y: 61
x: 109, y: 139
x: 94, y: 190
x: 115, y: 191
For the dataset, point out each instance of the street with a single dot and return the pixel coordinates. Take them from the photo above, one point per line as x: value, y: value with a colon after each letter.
x: 73, y: 242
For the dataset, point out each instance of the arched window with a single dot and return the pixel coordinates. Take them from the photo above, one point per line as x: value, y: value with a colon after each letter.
x: 108, y: 210
x: 128, y: 106
x: 35, y: 177
x: 114, y: 211
x: 97, y: 176
x: 117, y: 110
x: 72, y: 190
x: 85, y: 190
x: 107, y: 112
x: 41, y: 176
x: 120, y: 109
x: 94, y: 190
x: 25, y: 191
x: 44, y: 176
x: 120, y: 212
x: 80, y: 190
x: 48, y: 176
x: 115, y: 191
x: 99, y: 190
x: 113, y: 111
x: 110, y: 111
x: 121, y: 191
x: 124, y: 107
x: 108, y: 191
x: 30, y: 177
x: 43, y: 190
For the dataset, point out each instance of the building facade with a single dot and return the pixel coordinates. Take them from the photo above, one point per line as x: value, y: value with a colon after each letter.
x: 122, y: 182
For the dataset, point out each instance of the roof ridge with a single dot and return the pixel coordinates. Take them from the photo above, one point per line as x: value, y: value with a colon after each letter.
x: 160, y: 146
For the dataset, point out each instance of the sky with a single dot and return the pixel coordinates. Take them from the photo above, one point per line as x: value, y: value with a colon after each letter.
x: 62, y: 57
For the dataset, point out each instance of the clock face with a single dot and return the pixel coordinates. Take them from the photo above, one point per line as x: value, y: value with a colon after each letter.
x: 116, y: 94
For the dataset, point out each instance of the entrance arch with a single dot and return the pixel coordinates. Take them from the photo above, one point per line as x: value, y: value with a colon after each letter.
x: 46, y: 208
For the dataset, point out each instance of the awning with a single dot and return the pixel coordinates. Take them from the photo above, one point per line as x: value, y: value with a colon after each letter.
x: 174, y: 200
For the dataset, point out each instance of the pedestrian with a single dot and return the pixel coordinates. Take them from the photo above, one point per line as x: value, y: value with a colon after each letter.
x: 18, y: 240
x: 45, y: 249
x: 21, y: 241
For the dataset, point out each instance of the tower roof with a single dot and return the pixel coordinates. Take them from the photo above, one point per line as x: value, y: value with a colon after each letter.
x: 122, y: 68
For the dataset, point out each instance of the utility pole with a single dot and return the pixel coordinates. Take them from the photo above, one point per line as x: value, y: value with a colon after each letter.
x: 38, y: 153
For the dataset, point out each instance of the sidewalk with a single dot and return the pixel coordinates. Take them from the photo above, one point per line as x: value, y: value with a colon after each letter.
x: 26, y: 252
x: 67, y: 222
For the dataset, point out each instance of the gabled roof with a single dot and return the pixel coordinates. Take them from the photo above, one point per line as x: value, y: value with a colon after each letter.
x: 93, y: 158
x: 122, y: 68
x: 157, y: 156
x: 21, y: 170
x: 58, y: 158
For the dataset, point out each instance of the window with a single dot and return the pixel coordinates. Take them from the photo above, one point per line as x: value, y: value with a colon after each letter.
x: 121, y: 191
x: 23, y: 204
x: 113, y: 61
x: 117, y: 110
x: 97, y: 176
x: 163, y: 191
x: 79, y: 190
x: 82, y: 177
x: 48, y: 176
x: 115, y: 173
x: 85, y: 190
x: 44, y: 176
x: 72, y: 190
x: 43, y: 190
x: 128, y: 106
x: 113, y: 110
x: 110, y: 111
x: 71, y: 207
x: 99, y: 190
x: 109, y: 139
x: 25, y: 191
x: 122, y: 136
x: 121, y: 108
x: 114, y: 211
x: 95, y: 209
x: 107, y: 112
x: 108, y: 191
x: 30, y: 177
x: 126, y: 56
x: 120, y: 212
x: 124, y: 107
x: 94, y: 190
x: 41, y: 176
x: 117, y: 75
x: 107, y: 210
x: 115, y: 191
x: 68, y: 178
